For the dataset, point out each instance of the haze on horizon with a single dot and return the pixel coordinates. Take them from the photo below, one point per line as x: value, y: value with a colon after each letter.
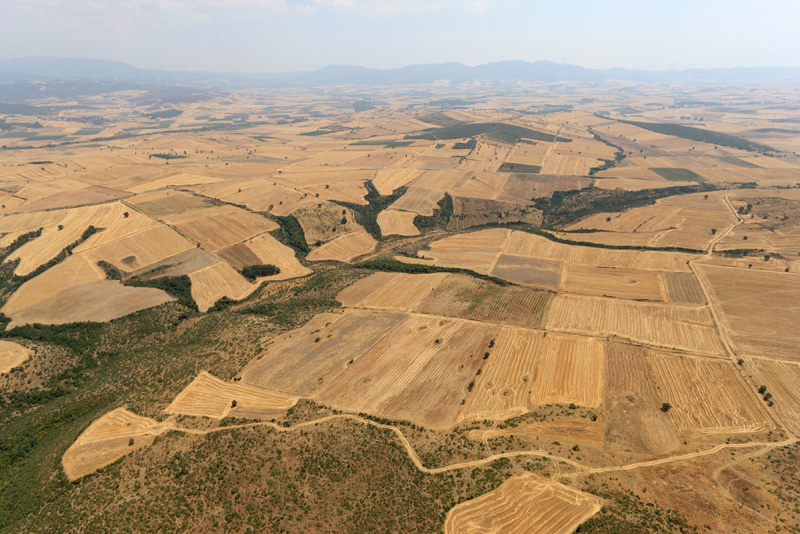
x: 293, y: 35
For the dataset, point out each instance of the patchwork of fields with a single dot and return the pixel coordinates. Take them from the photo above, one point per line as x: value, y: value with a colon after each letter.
x: 531, y: 304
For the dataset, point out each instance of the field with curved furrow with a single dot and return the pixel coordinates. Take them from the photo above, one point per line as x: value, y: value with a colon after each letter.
x: 524, y: 504
x: 707, y: 396
x: 661, y: 325
x: 419, y: 372
x: 108, y: 439
x: 783, y: 383
x: 208, y: 396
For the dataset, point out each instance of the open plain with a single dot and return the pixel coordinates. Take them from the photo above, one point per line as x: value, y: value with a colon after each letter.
x: 376, y: 309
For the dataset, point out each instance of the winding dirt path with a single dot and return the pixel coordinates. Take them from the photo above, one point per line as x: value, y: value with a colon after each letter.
x: 581, y: 469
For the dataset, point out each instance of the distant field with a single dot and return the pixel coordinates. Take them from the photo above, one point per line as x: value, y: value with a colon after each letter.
x: 677, y: 175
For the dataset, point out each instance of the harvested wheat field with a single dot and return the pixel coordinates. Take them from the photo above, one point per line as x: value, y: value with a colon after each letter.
x: 609, y: 282
x: 216, y: 281
x: 265, y: 249
x: 418, y: 200
x: 301, y: 362
x: 219, y: 227
x: 108, y: 439
x: 344, y: 248
x: 707, y: 396
x: 633, y: 403
x: 396, y: 222
x: 503, y: 390
x: 569, y: 369
x: 140, y: 250
x: 525, y: 244
x: 684, y: 288
x: 476, y: 250
x: 353, y: 295
x: 404, y: 292
x: 12, y: 355
x: 662, y: 325
x: 208, y: 396
x: 387, y: 180
x: 96, y: 302
x: 524, y: 504
x: 527, y: 368
x: 165, y: 203
x: 528, y: 271
x: 450, y: 295
x: 419, y: 372
x: 783, y: 383
x: 760, y: 309
x: 470, y: 298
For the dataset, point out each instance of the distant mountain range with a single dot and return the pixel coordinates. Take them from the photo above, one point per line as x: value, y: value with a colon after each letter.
x: 113, y: 73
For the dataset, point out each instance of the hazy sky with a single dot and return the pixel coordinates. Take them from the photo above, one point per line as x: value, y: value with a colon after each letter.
x: 289, y: 35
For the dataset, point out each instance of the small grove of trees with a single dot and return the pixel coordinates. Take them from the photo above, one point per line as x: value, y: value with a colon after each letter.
x: 251, y: 272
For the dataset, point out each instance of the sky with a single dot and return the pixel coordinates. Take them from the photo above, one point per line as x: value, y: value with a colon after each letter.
x: 296, y: 35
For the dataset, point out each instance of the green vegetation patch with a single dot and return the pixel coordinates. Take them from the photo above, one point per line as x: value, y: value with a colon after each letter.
x: 251, y: 272
x: 367, y: 216
x: 469, y: 145
x: 291, y: 233
x: 462, y: 131
x: 168, y: 156
x: 441, y: 215
x: 179, y: 287
x: 166, y: 114
x: 677, y: 175
x: 386, y: 144
x: 520, y: 168
x: 565, y: 207
x: 699, y: 134
x: 89, y: 131
x: 317, y: 132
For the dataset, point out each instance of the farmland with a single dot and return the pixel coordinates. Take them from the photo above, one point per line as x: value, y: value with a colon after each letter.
x: 524, y: 504
x: 537, y: 309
